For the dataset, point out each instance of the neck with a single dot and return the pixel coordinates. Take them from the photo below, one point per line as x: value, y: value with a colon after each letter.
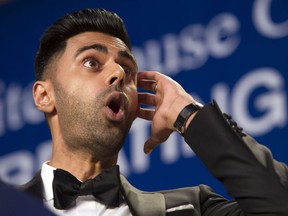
x: 80, y: 164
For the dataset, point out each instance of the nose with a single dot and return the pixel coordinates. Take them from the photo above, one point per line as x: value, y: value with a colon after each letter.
x: 117, y: 76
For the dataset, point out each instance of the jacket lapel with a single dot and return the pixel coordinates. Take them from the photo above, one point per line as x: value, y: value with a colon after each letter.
x: 34, y: 187
x: 143, y: 203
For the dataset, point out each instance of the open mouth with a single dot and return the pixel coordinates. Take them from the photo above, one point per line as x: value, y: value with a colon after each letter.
x: 116, y: 105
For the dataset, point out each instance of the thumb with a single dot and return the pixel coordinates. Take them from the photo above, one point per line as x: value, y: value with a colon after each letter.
x: 149, y: 146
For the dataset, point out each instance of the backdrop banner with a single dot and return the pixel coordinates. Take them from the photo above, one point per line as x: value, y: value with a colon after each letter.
x: 232, y: 51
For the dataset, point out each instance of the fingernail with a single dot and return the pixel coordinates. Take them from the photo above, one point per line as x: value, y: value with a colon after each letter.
x: 147, y: 150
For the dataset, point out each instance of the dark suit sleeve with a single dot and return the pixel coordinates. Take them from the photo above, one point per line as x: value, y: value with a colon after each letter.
x: 247, y: 169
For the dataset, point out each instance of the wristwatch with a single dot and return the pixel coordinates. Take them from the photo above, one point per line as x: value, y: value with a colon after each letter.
x: 184, y: 115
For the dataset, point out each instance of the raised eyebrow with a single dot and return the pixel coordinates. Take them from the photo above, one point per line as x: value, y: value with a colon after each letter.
x: 98, y: 47
x: 128, y: 55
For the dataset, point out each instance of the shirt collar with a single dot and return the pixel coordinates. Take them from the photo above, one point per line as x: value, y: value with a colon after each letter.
x: 47, y: 176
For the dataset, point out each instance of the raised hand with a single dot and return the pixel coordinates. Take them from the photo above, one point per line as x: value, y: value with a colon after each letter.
x: 168, y: 100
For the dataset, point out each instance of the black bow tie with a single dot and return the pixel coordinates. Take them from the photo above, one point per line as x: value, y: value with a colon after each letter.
x: 105, y: 188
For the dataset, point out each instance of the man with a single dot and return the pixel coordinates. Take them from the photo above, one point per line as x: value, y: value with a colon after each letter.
x: 86, y: 84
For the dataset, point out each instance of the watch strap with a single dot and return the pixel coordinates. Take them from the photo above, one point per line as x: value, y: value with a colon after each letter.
x: 183, y: 117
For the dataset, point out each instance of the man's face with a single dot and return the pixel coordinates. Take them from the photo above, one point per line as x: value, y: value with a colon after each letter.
x: 95, y: 93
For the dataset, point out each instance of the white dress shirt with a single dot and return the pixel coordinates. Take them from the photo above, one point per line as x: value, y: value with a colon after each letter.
x: 85, y: 205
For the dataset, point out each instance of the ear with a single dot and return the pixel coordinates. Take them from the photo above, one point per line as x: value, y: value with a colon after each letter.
x: 43, y: 96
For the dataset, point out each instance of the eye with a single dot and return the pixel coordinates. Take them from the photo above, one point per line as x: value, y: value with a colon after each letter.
x: 127, y: 69
x: 130, y: 72
x: 91, y: 63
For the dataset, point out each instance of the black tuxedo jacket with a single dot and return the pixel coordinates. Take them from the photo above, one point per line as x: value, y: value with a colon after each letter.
x: 258, y: 183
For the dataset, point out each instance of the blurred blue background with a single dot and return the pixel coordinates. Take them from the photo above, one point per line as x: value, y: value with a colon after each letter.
x: 232, y: 51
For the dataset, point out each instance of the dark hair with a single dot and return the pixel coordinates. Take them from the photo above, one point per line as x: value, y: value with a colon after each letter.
x: 54, y: 39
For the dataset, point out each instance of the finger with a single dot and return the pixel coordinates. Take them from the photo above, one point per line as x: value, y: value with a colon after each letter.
x: 147, y: 99
x: 149, y: 85
x: 149, y: 75
x: 146, y: 114
x: 156, y: 139
x: 151, y: 144
x: 148, y: 146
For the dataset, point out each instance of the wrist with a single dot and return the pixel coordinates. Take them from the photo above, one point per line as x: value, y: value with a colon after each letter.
x: 185, y: 117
